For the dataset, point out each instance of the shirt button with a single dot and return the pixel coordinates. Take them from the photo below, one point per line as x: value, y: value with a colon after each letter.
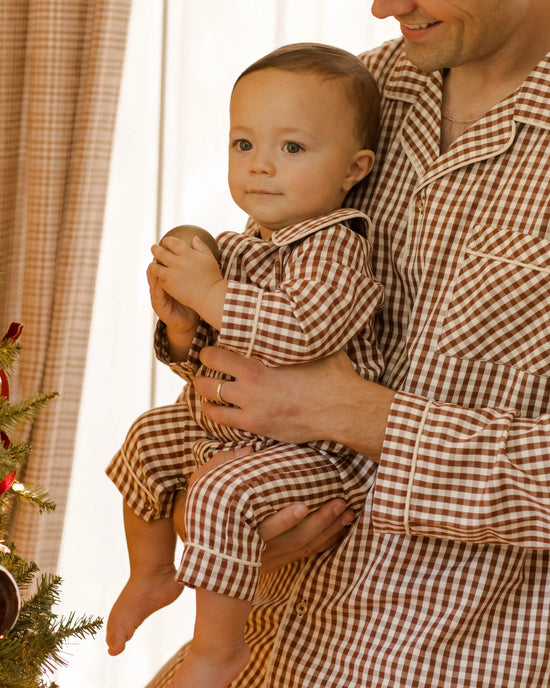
x: 420, y: 204
x: 301, y: 608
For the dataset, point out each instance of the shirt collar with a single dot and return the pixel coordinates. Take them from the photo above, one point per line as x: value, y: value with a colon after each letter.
x: 531, y: 99
x: 289, y: 235
x: 354, y: 219
x: 533, y: 96
x: 420, y: 131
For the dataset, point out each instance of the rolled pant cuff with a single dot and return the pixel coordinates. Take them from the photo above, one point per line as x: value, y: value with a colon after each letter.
x: 223, y: 574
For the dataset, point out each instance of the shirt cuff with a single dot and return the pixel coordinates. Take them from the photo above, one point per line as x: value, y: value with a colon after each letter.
x: 445, y: 473
x: 396, y: 471
x: 185, y: 369
x: 241, y: 315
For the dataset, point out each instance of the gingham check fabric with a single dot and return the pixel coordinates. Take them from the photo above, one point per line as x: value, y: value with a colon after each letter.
x: 223, y: 549
x: 298, y: 297
x: 443, y: 581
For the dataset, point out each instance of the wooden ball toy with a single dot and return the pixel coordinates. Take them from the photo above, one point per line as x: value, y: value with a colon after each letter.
x: 187, y: 232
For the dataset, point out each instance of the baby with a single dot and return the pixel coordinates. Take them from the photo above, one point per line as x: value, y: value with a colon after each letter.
x: 297, y: 285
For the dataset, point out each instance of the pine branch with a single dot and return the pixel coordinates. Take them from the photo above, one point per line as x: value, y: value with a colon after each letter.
x: 9, y: 352
x: 36, y: 643
x: 66, y: 629
x: 15, y: 415
x: 23, y: 571
x: 14, y: 455
x: 35, y: 496
x: 81, y: 627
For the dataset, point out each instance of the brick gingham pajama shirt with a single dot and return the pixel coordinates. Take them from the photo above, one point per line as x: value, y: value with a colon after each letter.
x: 444, y: 579
x: 305, y: 294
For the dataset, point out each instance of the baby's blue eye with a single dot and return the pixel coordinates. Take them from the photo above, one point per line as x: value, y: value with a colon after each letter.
x: 292, y: 147
x: 243, y: 145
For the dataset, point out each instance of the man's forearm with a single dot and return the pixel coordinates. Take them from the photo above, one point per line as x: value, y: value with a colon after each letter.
x: 360, y: 416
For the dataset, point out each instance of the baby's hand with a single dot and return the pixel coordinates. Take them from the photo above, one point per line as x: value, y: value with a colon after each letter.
x: 174, y: 315
x: 191, y: 276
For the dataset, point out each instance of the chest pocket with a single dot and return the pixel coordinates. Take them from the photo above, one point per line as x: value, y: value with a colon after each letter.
x: 500, y: 305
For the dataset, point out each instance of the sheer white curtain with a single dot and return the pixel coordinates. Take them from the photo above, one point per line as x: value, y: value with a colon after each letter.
x: 183, y: 80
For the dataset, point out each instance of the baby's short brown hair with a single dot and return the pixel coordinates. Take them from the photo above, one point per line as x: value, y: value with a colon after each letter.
x: 330, y: 62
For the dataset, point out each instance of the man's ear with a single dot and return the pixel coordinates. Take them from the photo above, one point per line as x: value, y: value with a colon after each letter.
x: 360, y: 165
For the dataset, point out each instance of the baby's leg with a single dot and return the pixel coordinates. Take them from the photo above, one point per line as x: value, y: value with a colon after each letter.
x: 152, y: 584
x: 218, y: 652
x: 151, y: 467
x: 222, y: 554
x: 155, y: 460
x: 223, y: 509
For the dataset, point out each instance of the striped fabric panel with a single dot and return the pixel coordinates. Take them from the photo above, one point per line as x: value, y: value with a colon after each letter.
x: 59, y: 81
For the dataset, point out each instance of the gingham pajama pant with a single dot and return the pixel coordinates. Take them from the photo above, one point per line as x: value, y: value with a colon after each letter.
x: 223, y: 509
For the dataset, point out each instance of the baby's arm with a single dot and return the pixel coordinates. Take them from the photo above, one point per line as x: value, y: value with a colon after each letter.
x: 327, y: 296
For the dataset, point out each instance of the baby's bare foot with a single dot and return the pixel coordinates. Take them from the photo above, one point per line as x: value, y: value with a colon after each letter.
x: 140, y: 597
x: 211, y: 670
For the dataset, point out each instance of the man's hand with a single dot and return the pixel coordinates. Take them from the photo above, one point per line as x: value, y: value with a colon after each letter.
x: 292, y: 533
x: 323, y: 399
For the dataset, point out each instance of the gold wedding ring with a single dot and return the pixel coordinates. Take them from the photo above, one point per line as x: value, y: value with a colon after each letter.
x: 219, y: 397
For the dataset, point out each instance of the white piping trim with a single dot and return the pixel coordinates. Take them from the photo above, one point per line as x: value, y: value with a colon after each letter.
x: 223, y: 556
x: 501, y: 259
x: 408, y: 498
x: 133, y: 473
x: 255, y: 324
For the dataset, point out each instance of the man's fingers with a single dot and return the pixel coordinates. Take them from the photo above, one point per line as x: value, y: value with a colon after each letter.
x: 216, y: 358
x: 223, y: 415
x: 289, y: 536
x: 282, y: 521
x: 293, y: 524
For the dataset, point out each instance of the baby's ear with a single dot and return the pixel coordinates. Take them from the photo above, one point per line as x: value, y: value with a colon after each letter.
x: 360, y: 166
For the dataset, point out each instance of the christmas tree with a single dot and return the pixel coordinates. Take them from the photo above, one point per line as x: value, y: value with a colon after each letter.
x: 32, y: 635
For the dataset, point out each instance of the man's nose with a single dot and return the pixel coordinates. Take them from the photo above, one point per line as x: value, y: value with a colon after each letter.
x: 392, y: 8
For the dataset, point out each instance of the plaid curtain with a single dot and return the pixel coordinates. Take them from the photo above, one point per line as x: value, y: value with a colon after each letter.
x: 60, y: 69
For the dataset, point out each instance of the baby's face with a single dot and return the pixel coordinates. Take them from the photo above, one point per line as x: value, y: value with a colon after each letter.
x: 292, y: 145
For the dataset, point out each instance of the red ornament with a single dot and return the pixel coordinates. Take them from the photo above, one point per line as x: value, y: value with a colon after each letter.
x: 14, y: 330
x: 7, y: 483
x: 4, y: 385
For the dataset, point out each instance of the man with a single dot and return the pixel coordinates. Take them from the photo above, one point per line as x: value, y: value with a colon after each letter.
x: 443, y: 579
